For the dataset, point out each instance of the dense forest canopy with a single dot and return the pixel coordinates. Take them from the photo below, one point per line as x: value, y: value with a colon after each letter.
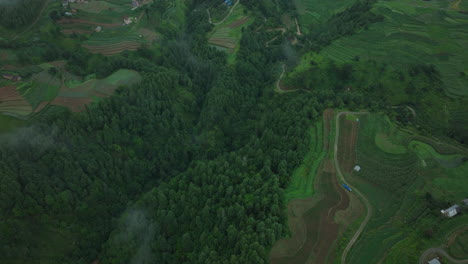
x: 190, y: 164
x: 19, y: 13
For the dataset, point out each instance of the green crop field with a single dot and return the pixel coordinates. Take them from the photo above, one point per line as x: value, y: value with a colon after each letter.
x: 405, y: 37
x: 302, y: 181
x: 397, y: 174
x: 317, y: 11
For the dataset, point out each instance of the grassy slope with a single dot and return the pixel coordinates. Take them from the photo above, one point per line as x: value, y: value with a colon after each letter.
x: 317, y: 11
x: 302, y: 180
x: 394, y: 231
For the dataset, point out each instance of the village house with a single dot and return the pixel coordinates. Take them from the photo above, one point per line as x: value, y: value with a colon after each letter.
x: 357, y: 168
x: 434, y: 261
x: 98, y: 29
x: 11, y: 77
x: 452, y: 211
x: 127, y: 20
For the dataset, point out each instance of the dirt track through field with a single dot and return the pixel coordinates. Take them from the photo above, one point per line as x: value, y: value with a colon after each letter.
x: 35, y: 21
x: 340, y: 175
x: 439, y: 251
x: 312, y: 220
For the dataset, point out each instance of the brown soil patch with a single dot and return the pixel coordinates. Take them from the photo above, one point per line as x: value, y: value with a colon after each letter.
x: 69, y: 21
x: 11, y: 101
x: 41, y: 106
x: 227, y: 43
x: 75, y: 104
x: 312, y: 221
x: 352, y: 213
x: 113, y: 49
x: 316, y: 232
x: 239, y: 22
x: 327, y: 122
x: 76, y: 31
x: 347, y: 144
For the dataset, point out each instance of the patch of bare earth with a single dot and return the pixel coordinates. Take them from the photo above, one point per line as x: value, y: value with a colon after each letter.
x: 227, y: 43
x: 312, y: 221
x: 347, y: 144
x: 75, y: 104
x: 239, y: 22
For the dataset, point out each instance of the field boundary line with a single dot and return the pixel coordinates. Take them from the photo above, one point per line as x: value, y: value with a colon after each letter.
x: 341, y: 177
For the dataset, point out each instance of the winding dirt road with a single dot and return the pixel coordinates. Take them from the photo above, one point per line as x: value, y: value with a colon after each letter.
x: 439, y: 251
x: 35, y: 21
x: 341, y: 177
x: 224, y: 19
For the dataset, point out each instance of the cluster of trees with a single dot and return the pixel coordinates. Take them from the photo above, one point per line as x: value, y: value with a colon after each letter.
x: 19, y: 13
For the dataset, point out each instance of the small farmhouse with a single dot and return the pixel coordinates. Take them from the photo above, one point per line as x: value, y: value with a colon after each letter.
x: 452, y: 211
x: 98, y: 29
x: 357, y: 168
x: 465, y: 202
x: 127, y: 20
x: 11, y: 77
x: 434, y: 261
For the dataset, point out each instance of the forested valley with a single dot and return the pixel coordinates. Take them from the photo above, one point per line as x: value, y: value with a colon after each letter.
x: 189, y: 165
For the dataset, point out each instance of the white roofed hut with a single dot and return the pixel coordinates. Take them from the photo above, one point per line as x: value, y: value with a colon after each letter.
x: 127, y: 20
x: 452, y: 211
x: 357, y: 168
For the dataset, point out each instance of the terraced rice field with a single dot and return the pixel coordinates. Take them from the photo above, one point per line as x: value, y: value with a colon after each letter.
x: 405, y: 38
x: 317, y: 11
x: 113, y: 42
x: 11, y: 102
x: 396, y: 172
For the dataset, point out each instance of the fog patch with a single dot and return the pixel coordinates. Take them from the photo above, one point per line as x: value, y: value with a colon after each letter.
x: 139, y: 231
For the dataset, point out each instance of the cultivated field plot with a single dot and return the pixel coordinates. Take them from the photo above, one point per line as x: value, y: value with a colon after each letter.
x: 111, y: 42
x: 12, y: 103
x: 75, y: 95
x: 317, y: 11
x: 406, y: 37
x: 98, y: 7
x: 227, y: 35
x: 396, y: 171
x: 315, y: 221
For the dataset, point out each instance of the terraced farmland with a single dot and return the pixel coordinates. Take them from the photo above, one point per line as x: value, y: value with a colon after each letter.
x: 227, y: 35
x: 12, y: 103
x: 317, y: 11
x: 113, y: 42
x: 405, y: 38
x: 396, y: 172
